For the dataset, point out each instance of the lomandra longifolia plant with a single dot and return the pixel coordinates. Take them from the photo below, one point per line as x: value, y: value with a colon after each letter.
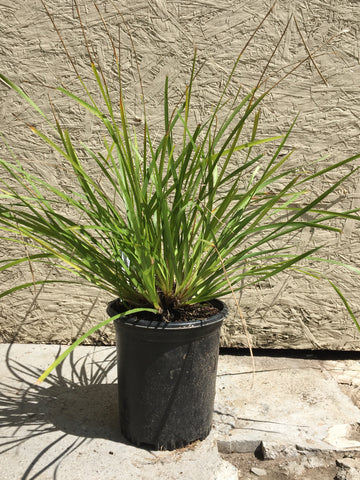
x: 175, y: 224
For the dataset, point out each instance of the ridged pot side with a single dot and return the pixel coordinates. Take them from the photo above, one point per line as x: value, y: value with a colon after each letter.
x: 166, y: 378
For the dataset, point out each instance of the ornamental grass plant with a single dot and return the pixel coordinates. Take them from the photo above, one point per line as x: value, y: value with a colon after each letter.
x: 162, y: 222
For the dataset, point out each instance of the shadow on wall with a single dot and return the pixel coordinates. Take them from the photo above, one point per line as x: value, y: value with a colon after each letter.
x: 83, y: 406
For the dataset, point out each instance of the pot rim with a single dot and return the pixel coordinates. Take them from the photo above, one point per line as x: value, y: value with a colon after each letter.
x: 157, y: 325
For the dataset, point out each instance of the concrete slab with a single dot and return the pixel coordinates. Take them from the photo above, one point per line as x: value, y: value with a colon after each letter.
x: 288, y: 405
x: 68, y: 427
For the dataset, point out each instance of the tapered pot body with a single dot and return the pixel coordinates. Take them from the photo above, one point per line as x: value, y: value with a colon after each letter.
x: 166, y: 378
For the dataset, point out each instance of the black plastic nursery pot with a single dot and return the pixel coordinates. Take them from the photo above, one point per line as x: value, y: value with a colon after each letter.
x: 166, y: 378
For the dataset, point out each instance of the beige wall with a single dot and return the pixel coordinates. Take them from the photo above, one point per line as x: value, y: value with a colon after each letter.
x: 289, y: 311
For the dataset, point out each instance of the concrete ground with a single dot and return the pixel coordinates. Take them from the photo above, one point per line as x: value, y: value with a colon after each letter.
x: 67, y: 428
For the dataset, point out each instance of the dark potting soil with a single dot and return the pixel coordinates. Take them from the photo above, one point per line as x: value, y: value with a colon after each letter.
x: 198, y: 311
x: 184, y: 313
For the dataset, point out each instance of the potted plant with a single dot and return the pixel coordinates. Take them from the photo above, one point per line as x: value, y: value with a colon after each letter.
x: 168, y: 231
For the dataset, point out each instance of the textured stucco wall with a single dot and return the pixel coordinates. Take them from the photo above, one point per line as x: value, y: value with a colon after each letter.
x: 289, y: 311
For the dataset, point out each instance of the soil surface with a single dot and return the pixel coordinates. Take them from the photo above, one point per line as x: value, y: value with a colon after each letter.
x: 185, y: 313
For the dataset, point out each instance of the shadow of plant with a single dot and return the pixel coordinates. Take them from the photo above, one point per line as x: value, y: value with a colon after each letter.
x: 82, y: 404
